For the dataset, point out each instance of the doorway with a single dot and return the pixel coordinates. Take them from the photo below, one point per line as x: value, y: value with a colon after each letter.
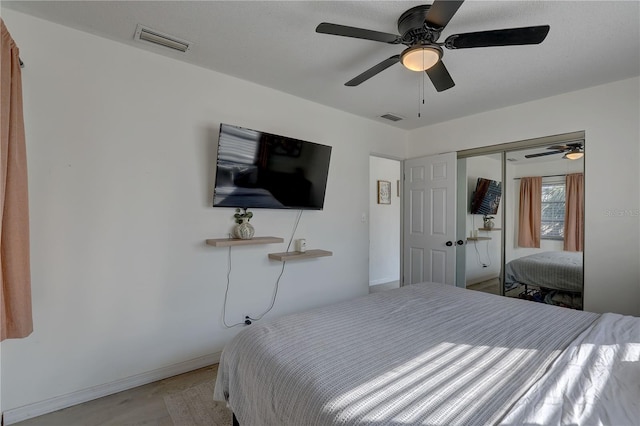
x: 430, y: 245
x: 385, y: 203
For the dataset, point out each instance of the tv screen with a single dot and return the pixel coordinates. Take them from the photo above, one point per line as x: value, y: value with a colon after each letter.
x: 259, y: 170
x: 486, y: 197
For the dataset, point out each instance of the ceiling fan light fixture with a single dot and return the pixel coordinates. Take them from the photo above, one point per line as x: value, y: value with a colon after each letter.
x: 574, y: 154
x: 421, y: 57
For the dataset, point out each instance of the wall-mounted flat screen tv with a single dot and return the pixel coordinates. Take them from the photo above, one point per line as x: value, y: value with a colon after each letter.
x: 260, y: 170
x: 486, y: 198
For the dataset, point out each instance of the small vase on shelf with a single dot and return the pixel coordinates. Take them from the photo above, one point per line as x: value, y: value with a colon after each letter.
x: 243, y: 230
x: 488, y: 222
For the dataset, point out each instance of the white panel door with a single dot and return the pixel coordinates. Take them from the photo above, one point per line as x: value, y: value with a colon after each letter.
x: 430, y: 219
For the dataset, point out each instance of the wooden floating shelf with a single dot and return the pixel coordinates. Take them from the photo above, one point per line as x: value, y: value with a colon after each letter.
x: 227, y: 242
x: 295, y: 255
x: 478, y: 238
x: 489, y: 229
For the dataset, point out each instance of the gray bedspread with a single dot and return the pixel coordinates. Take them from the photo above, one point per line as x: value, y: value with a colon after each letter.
x: 556, y: 270
x: 422, y: 354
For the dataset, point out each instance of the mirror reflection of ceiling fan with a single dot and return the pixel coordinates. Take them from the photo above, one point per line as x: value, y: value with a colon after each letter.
x: 420, y: 28
x: 571, y: 151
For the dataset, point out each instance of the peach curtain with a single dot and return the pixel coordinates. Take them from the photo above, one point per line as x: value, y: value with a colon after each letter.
x: 529, y: 221
x: 15, y: 277
x: 574, y: 213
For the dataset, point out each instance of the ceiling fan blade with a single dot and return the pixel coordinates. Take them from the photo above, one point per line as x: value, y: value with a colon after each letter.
x: 440, y: 77
x: 506, y: 37
x: 343, y: 30
x: 441, y: 12
x: 373, y: 71
x: 541, y: 154
x: 567, y: 146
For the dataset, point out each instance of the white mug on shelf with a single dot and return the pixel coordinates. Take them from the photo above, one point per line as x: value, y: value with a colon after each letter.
x: 301, y: 245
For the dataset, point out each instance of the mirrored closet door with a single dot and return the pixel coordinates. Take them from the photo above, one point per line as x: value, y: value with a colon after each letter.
x: 483, y: 222
x: 521, y: 208
x: 545, y: 205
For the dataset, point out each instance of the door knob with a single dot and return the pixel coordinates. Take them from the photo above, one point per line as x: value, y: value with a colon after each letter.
x: 449, y: 243
x: 460, y: 242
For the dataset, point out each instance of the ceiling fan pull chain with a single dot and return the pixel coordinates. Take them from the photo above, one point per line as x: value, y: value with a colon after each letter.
x: 418, y: 97
x: 419, y: 104
x: 423, y: 83
x: 423, y: 77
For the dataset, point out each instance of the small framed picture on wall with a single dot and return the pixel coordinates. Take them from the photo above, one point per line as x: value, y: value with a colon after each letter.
x: 384, y: 192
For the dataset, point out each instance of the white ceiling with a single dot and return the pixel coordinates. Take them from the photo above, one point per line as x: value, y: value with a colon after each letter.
x: 274, y: 44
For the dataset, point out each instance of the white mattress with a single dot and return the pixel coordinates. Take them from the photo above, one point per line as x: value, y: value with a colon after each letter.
x: 422, y: 354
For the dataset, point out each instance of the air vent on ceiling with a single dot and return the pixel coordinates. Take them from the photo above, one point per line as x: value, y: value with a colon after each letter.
x: 156, y: 37
x: 392, y: 117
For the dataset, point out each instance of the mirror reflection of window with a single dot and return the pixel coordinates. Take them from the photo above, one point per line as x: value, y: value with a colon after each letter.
x: 553, y: 211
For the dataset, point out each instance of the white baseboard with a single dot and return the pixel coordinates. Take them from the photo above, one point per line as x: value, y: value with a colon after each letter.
x: 36, y: 409
x: 382, y: 281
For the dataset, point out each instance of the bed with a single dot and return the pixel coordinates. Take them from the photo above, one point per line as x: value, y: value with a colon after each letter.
x: 434, y: 354
x: 554, y: 270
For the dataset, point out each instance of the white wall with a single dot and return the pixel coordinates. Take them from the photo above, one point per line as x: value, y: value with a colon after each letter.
x: 515, y: 170
x: 121, y: 148
x: 384, y: 223
x: 609, y: 116
x: 485, y: 252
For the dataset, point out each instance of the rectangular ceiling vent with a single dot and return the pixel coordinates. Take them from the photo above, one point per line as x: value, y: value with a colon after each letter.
x: 392, y: 117
x: 156, y: 37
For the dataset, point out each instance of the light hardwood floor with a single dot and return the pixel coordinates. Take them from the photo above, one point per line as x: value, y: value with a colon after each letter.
x: 489, y: 286
x: 143, y: 405
x: 384, y: 287
x: 493, y: 286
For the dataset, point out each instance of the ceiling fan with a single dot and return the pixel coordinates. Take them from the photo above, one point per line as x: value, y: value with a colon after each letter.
x: 420, y: 28
x: 571, y: 151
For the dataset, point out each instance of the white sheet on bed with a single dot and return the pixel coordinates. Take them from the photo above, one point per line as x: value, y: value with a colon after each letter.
x: 421, y: 354
x: 596, y: 381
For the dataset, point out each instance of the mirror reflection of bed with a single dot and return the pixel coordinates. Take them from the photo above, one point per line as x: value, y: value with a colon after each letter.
x: 542, y: 224
x: 553, y: 277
